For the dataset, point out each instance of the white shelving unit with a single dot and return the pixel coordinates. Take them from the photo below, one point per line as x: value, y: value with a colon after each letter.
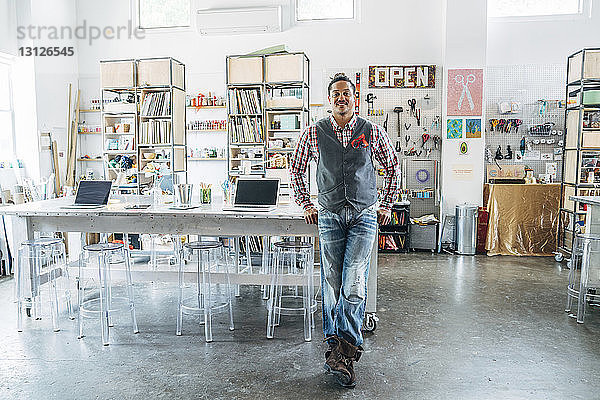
x: 149, y: 123
x: 581, y: 147
x: 276, y: 87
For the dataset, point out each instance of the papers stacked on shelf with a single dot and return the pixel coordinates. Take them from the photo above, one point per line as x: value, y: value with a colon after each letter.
x: 244, y: 101
x: 246, y: 130
x: 155, y: 132
x: 156, y: 104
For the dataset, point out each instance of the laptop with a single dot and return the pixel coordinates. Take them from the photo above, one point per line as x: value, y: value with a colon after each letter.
x: 255, y: 194
x: 91, y: 195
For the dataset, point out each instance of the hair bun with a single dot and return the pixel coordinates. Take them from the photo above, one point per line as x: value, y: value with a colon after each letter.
x: 339, y: 74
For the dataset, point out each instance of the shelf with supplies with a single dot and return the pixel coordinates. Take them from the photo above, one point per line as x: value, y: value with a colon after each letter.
x: 581, y: 147
x: 151, y: 93
x: 395, y: 236
x: 268, y: 107
x: 204, y: 107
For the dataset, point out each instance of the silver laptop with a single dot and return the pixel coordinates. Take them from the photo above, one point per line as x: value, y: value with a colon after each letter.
x: 91, y: 195
x: 255, y: 194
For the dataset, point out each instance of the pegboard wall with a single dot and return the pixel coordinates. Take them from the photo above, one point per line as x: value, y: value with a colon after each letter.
x: 403, y: 125
x: 536, y: 93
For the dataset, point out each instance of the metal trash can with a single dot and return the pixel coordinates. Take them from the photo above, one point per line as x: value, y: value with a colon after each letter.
x: 465, y: 227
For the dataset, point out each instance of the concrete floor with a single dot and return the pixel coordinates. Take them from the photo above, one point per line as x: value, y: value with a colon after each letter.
x: 450, y: 327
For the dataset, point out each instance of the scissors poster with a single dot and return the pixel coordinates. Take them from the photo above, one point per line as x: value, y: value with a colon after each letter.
x: 465, y: 91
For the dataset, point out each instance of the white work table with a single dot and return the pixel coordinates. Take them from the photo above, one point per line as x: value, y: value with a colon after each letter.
x: 206, y: 220
x: 592, y: 219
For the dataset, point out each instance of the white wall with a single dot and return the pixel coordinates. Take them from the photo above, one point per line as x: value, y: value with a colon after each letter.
x: 8, y: 25
x: 542, y: 40
x: 387, y: 34
x: 465, y: 47
x: 52, y: 76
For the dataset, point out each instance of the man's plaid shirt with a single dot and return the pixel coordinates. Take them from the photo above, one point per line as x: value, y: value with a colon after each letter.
x: 307, y: 149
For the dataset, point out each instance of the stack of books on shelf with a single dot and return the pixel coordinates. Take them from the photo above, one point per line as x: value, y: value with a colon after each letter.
x: 246, y: 130
x: 155, y: 132
x: 244, y: 101
x: 156, y: 104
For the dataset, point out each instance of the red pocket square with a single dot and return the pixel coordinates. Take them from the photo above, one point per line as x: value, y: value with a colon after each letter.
x: 360, y: 142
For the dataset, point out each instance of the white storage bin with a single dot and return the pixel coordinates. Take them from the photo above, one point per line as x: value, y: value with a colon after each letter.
x: 117, y: 74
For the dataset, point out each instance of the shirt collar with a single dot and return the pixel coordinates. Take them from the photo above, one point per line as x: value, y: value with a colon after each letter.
x: 349, y: 125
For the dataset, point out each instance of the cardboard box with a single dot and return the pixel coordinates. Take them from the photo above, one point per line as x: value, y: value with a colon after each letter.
x: 117, y: 74
x: 286, y: 67
x: 245, y: 70
x: 160, y: 72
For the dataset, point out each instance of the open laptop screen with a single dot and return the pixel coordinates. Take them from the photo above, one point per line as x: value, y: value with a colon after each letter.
x: 93, y: 192
x: 256, y: 192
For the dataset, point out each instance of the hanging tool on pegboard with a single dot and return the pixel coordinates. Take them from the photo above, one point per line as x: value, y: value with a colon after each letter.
x: 398, y: 110
x: 369, y: 99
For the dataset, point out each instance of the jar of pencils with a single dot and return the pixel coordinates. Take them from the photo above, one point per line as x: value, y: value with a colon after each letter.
x: 205, y: 193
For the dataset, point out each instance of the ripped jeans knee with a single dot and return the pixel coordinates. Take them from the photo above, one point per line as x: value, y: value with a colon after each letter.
x: 354, y: 288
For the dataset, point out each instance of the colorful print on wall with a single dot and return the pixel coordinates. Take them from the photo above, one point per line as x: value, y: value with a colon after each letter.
x: 465, y: 91
x: 454, y: 128
x: 402, y: 77
x: 473, y: 128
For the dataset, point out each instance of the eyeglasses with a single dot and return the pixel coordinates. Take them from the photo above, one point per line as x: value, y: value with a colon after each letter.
x: 346, y: 93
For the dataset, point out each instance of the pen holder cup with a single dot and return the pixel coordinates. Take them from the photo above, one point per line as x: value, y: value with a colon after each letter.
x: 184, y: 193
x: 206, y: 195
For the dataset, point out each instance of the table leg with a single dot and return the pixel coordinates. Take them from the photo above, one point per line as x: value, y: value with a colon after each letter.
x: 372, y: 281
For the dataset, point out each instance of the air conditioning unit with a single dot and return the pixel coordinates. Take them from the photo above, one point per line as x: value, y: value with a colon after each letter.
x: 239, y: 20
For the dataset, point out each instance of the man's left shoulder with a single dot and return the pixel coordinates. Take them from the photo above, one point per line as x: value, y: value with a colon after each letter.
x: 377, y: 128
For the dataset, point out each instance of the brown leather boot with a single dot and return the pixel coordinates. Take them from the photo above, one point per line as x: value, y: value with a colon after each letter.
x: 340, y: 361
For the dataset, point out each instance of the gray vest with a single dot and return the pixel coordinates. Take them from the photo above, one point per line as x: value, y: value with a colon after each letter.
x: 345, y: 175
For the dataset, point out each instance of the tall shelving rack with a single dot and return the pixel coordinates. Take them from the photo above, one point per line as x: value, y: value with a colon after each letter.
x: 281, y: 81
x: 138, y: 79
x: 581, y: 146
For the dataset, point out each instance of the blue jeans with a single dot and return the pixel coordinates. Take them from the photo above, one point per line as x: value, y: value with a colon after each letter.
x: 346, y: 241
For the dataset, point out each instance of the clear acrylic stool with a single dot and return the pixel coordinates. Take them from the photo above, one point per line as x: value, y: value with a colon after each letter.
x: 107, y: 304
x: 207, y: 254
x: 40, y: 261
x: 291, y: 258
x: 584, y: 275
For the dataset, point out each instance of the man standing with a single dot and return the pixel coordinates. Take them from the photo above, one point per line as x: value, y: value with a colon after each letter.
x: 344, y: 145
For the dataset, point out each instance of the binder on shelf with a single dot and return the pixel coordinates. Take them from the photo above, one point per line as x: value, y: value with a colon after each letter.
x: 244, y: 101
x: 156, y: 104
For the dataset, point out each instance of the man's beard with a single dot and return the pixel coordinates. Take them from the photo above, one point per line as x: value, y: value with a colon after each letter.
x: 345, y: 111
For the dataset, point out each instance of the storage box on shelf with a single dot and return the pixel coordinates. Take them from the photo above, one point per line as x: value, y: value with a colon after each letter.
x: 117, y: 74
x: 581, y: 146
x: 395, y: 237
x: 146, y: 121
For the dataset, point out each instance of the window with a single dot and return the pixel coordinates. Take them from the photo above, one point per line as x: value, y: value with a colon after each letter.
x: 154, y: 14
x: 6, y: 113
x: 528, y: 8
x: 310, y: 10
